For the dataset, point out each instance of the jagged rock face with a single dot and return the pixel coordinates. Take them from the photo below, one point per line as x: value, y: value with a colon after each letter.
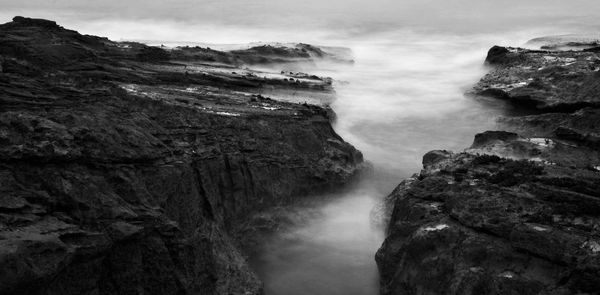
x: 115, y: 180
x: 580, y: 127
x: 562, y: 81
x: 519, y: 211
x: 264, y: 55
x: 486, y: 225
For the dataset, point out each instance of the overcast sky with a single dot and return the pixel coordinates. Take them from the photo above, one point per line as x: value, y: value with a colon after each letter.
x: 167, y: 19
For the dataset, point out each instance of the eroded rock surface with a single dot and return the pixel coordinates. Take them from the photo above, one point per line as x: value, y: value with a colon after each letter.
x: 552, y: 81
x: 481, y: 224
x: 123, y: 171
x: 519, y: 211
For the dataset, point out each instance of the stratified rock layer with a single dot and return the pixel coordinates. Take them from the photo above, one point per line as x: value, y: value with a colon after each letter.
x: 123, y: 171
x: 519, y: 211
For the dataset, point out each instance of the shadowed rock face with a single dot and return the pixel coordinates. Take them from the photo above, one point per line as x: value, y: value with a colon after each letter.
x: 124, y: 172
x: 519, y: 211
x: 486, y: 225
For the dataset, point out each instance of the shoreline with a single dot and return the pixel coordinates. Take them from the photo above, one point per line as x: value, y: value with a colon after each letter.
x: 514, y: 212
x: 128, y: 167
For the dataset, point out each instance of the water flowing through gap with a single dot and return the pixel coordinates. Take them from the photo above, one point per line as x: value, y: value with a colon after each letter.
x: 402, y: 97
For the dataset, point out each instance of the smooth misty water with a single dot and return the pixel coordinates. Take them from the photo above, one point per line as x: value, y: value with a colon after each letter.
x: 402, y: 97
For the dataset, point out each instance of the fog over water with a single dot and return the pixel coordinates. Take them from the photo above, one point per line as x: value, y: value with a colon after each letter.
x: 401, y: 98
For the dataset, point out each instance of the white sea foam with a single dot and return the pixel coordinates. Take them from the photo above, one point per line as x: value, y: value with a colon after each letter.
x: 436, y: 227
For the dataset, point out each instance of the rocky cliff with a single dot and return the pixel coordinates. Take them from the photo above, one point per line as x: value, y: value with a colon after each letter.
x: 124, y: 168
x: 519, y: 211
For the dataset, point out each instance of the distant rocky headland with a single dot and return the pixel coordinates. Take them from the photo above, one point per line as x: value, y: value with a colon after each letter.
x: 519, y: 211
x: 127, y: 169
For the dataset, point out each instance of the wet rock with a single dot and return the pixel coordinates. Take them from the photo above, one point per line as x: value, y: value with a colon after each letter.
x: 563, y: 81
x: 125, y: 172
x: 152, y: 54
x: 518, y: 211
x: 489, y: 226
x: 267, y: 55
x: 491, y: 136
x: 497, y: 55
x: 121, y: 230
x: 10, y: 203
x: 580, y: 128
x: 34, y: 22
x: 434, y: 157
x: 565, y: 42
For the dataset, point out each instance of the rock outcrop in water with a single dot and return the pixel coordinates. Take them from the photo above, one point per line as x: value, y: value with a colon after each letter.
x: 519, y: 211
x: 264, y: 55
x: 560, y: 81
x: 566, y: 42
x: 124, y: 170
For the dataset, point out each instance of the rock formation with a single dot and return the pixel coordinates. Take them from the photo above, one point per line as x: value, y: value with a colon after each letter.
x: 124, y: 170
x: 519, y: 211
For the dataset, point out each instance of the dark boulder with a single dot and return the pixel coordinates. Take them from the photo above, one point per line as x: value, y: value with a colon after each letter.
x: 491, y: 136
x: 497, y: 55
